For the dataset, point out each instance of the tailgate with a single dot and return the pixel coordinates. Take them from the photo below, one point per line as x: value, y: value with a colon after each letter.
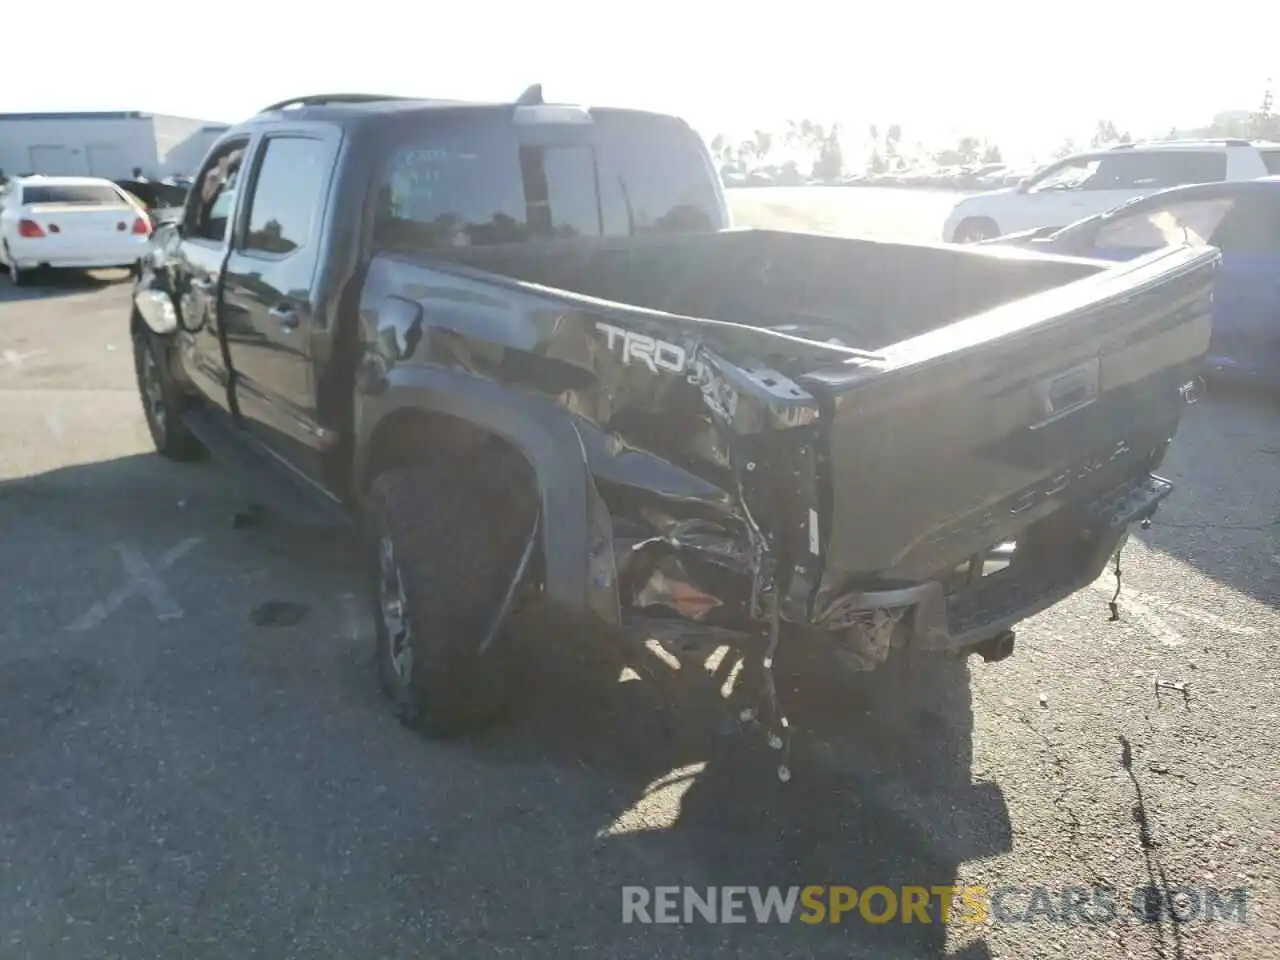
x: 966, y: 435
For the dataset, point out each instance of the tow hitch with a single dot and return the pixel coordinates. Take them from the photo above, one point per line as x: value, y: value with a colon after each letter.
x: 997, y: 648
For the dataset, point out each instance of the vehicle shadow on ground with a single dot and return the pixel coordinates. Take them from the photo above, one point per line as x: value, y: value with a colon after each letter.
x: 881, y: 792
x: 60, y: 283
x: 1223, y: 518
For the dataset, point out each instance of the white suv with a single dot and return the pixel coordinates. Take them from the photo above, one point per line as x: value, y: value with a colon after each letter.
x: 1090, y: 183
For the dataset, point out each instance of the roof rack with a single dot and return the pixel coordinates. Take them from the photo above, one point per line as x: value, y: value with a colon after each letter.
x: 1224, y: 141
x: 323, y: 99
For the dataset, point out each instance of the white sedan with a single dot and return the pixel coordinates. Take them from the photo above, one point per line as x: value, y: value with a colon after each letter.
x: 77, y: 222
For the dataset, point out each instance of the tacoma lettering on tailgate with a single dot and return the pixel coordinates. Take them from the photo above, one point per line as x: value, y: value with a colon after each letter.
x: 1000, y: 519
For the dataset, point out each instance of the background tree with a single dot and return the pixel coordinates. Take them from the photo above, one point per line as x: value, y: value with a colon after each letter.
x: 830, y: 162
x: 1105, y: 134
x: 763, y: 144
x: 1263, y: 122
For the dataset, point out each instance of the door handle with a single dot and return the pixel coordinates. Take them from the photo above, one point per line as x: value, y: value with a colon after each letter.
x: 287, y: 317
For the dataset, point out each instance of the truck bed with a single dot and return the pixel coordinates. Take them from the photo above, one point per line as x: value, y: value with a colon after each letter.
x: 866, y: 294
x: 912, y: 407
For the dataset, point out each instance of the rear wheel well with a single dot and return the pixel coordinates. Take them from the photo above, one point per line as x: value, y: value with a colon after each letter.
x: 500, y: 470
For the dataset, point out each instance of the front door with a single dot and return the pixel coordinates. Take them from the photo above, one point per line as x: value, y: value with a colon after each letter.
x: 1062, y: 194
x: 206, y: 228
x: 268, y: 292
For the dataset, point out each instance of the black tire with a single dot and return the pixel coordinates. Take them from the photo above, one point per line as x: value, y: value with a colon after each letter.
x: 162, y: 402
x: 974, y: 229
x: 453, y: 556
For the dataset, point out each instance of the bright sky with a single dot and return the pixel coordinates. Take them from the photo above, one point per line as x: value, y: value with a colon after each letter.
x: 1024, y: 74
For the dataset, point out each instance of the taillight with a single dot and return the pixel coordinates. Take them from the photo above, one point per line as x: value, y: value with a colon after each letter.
x: 29, y: 229
x: 141, y: 227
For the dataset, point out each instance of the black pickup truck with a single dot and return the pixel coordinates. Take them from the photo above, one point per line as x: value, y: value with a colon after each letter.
x: 522, y: 346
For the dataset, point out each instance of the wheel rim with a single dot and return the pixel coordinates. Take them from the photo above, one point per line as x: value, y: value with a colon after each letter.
x: 391, y: 603
x: 153, y: 391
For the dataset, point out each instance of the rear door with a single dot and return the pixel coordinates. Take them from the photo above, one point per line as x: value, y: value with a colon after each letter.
x: 206, y: 228
x: 269, y: 287
x: 1246, y: 313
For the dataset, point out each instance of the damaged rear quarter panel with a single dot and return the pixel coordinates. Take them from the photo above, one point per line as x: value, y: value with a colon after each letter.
x: 639, y: 429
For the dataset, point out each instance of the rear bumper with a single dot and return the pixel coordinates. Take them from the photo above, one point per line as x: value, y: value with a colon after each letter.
x: 933, y: 619
x: 40, y: 253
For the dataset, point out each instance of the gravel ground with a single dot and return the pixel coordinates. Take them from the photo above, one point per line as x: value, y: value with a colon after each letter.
x: 183, y: 778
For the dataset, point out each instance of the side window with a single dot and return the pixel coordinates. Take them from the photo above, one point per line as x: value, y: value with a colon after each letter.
x: 1250, y: 228
x: 1157, y: 169
x: 1271, y: 160
x: 288, y: 194
x: 458, y: 184
x: 1193, y: 221
x: 1077, y: 173
x: 213, y: 197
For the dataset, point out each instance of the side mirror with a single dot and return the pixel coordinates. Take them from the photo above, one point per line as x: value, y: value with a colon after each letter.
x: 1023, y: 185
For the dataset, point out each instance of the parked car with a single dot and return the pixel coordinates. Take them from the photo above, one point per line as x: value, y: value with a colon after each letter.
x: 1094, y: 182
x: 582, y: 393
x: 1241, y: 219
x: 162, y: 199
x: 983, y: 176
x: 77, y: 222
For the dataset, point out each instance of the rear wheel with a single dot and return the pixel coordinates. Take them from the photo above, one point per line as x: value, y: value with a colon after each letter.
x: 976, y: 229
x: 440, y: 560
x: 162, y: 402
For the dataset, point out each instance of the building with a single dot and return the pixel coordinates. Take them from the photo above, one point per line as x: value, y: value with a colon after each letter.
x: 110, y: 145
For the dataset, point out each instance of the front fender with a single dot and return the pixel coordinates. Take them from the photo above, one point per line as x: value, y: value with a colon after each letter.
x: 580, y: 577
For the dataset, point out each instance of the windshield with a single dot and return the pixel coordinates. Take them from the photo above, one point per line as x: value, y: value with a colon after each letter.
x: 474, y: 180
x: 83, y: 194
x: 1070, y: 175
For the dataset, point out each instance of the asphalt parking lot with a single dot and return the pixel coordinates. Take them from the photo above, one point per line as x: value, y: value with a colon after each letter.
x: 197, y: 762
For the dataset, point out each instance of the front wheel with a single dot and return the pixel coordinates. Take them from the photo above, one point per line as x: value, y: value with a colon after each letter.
x: 161, y: 400
x: 975, y: 230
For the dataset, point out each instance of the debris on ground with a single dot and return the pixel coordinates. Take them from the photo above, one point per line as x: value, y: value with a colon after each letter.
x: 1176, y: 686
x: 278, y: 613
x: 251, y: 516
